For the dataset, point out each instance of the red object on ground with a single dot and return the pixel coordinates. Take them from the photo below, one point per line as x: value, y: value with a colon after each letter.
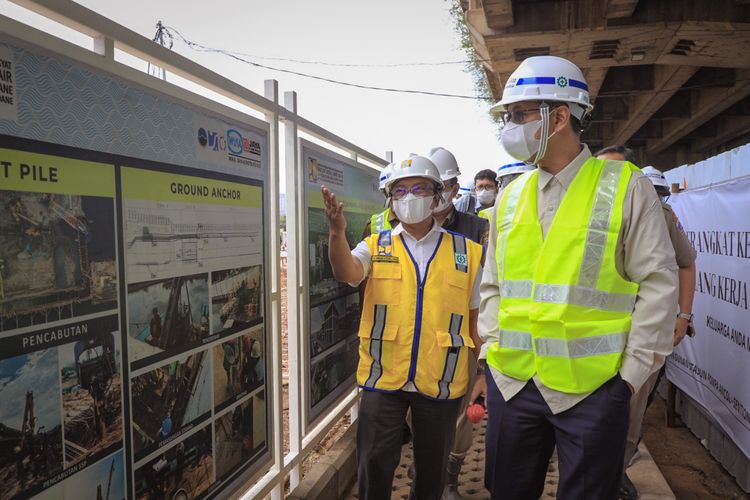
x: 475, y: 413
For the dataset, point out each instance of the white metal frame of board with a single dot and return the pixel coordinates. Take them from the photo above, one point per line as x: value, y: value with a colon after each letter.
x: 108, y: 37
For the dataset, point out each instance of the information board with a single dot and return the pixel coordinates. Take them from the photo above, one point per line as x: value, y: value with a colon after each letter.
x: 132, y: 288
x: 334, y: 308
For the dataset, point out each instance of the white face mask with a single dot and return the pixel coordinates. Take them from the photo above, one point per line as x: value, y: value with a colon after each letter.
x: 486, y: 196
x: 520, y: 141
x: 442, y: 204
x: 413, y: 209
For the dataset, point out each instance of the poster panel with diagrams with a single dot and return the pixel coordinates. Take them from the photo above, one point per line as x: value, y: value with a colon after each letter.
x: 132, y: 288
x: 60, y: 357
x: 334, y: 307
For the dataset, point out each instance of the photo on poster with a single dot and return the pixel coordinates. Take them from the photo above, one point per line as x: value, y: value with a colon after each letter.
x: 332, y: 369
x: 333, y: 322
x: 236, y: 299
x: 57, y: 257
x: 167, y: 316
x: 31, y: 450
x: 323, y: 286
x: 185, y: 470
x: 240, y: 434
x: 239, y: 367
x: 91, y: 395
x: 168, y: 399
x: 165, y: 239
x: 100, y: 481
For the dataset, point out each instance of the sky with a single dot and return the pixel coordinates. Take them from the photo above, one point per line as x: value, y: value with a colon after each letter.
x: 383, y: 32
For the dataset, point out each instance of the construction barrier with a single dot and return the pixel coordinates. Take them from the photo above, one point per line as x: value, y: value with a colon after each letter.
x: 712, y: 368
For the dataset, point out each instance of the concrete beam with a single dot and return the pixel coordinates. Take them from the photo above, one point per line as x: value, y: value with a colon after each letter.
x: 594, y: 78
x: 667, y: 80
x: 706, y: 104
x: 499, y: 13
x: 728, y: 128
x: 620, y: 8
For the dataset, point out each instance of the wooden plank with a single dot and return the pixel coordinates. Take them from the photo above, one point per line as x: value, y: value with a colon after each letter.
x: 667, y: 81
x: 706, y: 104
x: 620, y: 8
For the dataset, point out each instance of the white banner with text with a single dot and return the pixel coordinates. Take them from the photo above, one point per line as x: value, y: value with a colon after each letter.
x: 713, y: 367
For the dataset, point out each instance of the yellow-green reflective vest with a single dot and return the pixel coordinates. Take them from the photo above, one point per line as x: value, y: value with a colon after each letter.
x: 565, y: 312
x: 416, y: 328
x: 485, y: 214
x: 380, y: 222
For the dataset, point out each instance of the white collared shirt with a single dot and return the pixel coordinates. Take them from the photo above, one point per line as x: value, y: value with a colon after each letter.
x: 422, y: 250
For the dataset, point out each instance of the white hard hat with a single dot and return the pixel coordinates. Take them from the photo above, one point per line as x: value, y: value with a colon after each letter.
x: 385, y: 174
x: 445, y: 162
x: 547, y: 78
x: 656, y: 177
x: 415, y: 166
x: 466, y: 187
x: 513, y: 169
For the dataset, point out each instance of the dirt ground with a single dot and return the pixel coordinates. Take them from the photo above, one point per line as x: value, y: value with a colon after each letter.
x: 689, y: 468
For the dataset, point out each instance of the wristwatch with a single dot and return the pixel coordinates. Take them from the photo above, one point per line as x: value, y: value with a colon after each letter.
x: 687, y: 316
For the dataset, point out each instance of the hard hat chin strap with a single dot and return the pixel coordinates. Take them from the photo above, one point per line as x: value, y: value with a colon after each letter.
x: 544, y: 110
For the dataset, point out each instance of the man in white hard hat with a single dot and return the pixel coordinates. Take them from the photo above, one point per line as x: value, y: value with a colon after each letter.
x: 385, y: 219
x: 469, y: 225
x: 467, y: 198
x: 476, y: 229
x: 509, y: 172
x: 685, y: 256
x: 416, y: 331
x: 575, y: 312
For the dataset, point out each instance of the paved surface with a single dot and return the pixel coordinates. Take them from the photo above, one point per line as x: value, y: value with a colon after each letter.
x: 644, y: 473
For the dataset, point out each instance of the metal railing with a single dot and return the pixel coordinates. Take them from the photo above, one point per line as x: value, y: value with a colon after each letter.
x: 109, y: 37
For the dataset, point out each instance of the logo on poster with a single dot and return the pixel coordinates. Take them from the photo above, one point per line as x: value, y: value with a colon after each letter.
x: 237, y: 147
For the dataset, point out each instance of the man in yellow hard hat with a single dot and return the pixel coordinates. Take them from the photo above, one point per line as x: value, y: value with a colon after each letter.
x: 416, y: 332
x: 575, y: 310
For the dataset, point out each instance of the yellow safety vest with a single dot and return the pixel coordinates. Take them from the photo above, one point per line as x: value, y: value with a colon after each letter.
x: 416, y: 328
x: 485, y: 214
x: 565, y: 311
x: 381, y: 221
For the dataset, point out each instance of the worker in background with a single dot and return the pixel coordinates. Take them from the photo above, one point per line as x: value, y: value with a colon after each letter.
x: 385, y: 219
x: 510, y: 172
x: 617, y: 152
x: 445, y: 213
x: 476, y: 229
x: 685, y: 256
x: 485, y: 186
x: 416, y: 332
x: 576, y: 312
x: 467, y: 198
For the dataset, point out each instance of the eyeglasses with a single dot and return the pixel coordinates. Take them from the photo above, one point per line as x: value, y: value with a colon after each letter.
x: 518, y: 116
x: 419, y: 190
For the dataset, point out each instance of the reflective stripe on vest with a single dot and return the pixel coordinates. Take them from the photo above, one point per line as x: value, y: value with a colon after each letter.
x: 380, y: 222
x: 429, y: 348
x: 564, y: 310
x: 376, y: 346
